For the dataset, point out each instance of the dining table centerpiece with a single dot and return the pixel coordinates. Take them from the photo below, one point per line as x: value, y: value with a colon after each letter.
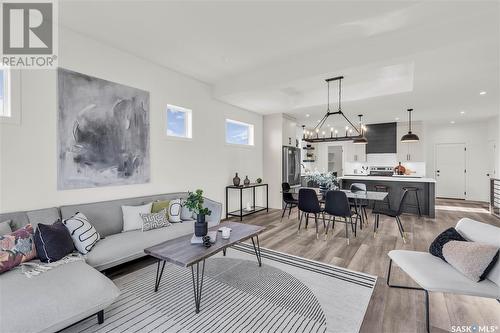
x: 325, y: 180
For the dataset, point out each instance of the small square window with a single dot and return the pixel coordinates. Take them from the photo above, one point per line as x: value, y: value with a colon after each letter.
x: 239, y: 133
x: 179, y: 122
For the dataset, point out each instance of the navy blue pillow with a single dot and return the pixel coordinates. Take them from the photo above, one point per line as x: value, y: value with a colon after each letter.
x: 450, y: 234
x: 53, y: 242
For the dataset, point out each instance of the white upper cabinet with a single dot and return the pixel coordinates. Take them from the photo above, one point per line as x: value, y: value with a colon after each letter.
x: 354, y: 153
x: 289, y: 131
x: 412, y: 151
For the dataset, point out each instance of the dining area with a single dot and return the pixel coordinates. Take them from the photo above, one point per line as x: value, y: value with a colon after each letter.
x: 327, y: 205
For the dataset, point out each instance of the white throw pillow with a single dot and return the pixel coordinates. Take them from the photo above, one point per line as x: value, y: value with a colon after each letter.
x: 132, y: 216
x: 82, y: 232
x: 174, y: 211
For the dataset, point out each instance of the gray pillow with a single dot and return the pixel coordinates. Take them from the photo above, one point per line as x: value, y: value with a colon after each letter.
x: 186, y: 214
x: 472, y: 259
x: 45, y: 216
x: 5, y: 228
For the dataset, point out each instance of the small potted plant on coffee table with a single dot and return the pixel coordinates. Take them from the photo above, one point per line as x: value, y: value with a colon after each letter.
x: 194, y: 203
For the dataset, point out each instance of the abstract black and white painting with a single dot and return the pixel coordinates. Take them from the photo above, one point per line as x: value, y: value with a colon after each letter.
x: 103, y: 132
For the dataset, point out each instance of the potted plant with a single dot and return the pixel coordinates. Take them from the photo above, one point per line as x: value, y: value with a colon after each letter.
x: 194, y: 203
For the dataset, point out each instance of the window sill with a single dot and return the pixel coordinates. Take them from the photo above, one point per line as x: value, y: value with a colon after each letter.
x: 236, y: 145
x: 177, y: 138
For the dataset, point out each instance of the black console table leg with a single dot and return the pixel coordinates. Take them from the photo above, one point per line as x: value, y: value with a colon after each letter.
x: 159, y: 274
x: 257, y: 250
x: 197, y: 284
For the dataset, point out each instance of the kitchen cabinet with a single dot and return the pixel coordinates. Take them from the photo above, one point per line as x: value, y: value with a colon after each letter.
x: 412, y: 151
x: 354, y: 153
x: 289, y: 131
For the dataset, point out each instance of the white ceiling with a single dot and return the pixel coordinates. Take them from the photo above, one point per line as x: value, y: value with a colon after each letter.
x: 273, y: 57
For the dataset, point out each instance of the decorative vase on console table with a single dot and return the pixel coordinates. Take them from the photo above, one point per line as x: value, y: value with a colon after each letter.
x: 246, y: 181
x: 236, y: 180
x: 194, y: 202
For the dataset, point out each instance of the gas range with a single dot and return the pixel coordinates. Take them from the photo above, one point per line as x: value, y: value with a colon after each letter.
x: 381, y: 171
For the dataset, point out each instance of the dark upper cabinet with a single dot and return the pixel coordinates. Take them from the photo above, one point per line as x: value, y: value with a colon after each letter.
x: 381, y: 138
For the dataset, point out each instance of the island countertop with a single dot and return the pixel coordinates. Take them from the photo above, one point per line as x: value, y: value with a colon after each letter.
x: 390, y: 178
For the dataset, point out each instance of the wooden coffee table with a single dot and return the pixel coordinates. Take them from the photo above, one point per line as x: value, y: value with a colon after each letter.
x: 181, y: 252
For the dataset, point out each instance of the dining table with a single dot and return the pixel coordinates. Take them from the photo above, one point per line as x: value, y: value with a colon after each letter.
x: 358, y: 196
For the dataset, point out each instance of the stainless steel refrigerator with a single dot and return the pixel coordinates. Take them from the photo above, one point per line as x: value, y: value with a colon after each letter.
x: 291, y: 165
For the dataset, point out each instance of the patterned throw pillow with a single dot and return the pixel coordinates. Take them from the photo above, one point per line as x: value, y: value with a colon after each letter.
x: 154, y: 220
x: 16, y: 248
x: 174, y: 211
x: 82, y: 232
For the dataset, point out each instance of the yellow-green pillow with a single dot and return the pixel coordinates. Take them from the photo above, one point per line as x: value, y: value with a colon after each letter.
x: 158, y: 206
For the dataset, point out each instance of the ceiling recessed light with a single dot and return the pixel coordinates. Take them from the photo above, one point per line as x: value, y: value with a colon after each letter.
x: 397, y: 118
x: 482, y: 93
x: 462, y: 112
x: 307, y: 115
x: 452, y: 122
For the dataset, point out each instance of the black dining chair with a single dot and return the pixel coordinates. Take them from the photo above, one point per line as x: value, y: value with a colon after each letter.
x: 289, y: 200
x: 360, y: 204
x: 337, y: 205
x: 309, y: 204
x: 377, y: 211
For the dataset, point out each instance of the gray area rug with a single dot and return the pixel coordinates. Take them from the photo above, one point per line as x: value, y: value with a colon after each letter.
x: 286, y: 294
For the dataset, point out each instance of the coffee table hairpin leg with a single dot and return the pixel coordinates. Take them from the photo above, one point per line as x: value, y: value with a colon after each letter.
x: 257, y: 250
x: 159, y: 274
x: 197, y: 284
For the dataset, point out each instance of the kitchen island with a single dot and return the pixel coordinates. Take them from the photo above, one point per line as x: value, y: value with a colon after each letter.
x: 395, y: 184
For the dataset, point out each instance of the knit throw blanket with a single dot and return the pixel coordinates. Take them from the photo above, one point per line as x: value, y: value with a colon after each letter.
x: 32, y: 268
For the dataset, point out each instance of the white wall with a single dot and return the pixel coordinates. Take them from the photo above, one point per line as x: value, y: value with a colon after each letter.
x: 273, y: 135
x: 475, y: 136
x: 28, y: 151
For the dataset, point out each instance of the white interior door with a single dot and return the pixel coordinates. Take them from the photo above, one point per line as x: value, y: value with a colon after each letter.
x: 450, y: 170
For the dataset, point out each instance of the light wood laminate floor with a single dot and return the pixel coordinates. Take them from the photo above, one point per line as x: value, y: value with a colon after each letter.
x: 390, y: 309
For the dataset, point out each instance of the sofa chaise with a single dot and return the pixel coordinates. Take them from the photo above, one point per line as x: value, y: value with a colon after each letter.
x: 76, y: 290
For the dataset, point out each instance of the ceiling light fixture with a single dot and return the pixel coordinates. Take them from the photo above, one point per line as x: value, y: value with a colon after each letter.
x: 482, y: 93
x: 307, y: 115
x: 452, y: 122
x: 349, y: 129
x: 362, y: 139
x: 462, y: 112
x: 409, y: 137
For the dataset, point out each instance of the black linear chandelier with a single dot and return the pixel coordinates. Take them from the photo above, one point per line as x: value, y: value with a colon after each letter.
x: 317, y: 135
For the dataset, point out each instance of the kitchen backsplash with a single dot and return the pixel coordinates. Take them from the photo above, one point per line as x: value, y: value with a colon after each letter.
x: 390, y: 160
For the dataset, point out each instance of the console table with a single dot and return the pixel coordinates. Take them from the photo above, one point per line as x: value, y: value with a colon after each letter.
x: 243, y: 212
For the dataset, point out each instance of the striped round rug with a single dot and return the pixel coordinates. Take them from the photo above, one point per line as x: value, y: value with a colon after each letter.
x: 286, y: 294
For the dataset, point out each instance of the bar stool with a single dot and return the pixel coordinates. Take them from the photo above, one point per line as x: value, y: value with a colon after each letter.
x: 414, y: 190
x: 387, y: 201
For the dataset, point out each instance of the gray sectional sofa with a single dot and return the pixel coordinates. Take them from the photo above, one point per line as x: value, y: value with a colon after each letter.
x: 74, y: 291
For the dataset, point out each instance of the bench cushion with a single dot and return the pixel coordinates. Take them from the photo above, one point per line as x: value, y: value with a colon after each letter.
x: 433, y: 274
x: 123, y: 247
x: 54, y: 299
